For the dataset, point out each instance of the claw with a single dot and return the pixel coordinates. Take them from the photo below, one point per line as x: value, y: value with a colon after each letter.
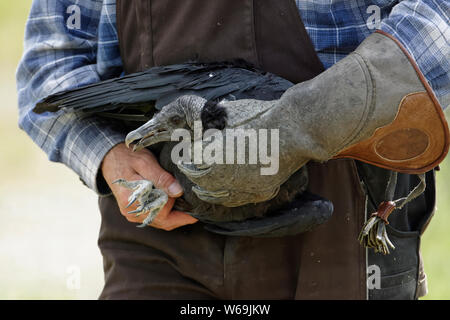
x: 192, y: 170
x: 132, y: 185
x: 154, y: 207
x: 121, y: 182
x: 151, y: 200
x: 131, y: 200
x: 149, y: 219
x: 138, y: 211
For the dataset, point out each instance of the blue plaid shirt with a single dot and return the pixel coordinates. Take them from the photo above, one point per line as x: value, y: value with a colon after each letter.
x: 63, y: 52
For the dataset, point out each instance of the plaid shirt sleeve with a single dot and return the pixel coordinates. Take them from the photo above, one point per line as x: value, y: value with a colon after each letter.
x: 422, y: 26
x: 60, y: 53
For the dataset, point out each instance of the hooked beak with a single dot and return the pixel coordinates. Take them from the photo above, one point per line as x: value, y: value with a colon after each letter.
x: 147, y: 135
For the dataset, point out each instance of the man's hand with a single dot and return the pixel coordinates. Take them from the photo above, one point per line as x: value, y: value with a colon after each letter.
x: 121, y: 163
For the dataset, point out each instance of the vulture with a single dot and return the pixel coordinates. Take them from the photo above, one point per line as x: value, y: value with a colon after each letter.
x: 149, y: 105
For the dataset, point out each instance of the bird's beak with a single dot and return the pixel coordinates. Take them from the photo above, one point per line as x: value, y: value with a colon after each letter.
x: 146, y: 135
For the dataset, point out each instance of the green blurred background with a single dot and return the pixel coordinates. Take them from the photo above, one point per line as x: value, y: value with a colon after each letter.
x: 49, y: 221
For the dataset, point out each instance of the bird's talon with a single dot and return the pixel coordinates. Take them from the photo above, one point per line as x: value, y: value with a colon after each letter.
x: 139, y: 211
x: 149, y: 219
x: 150, y: 199
x: 121, y: 182
x: 131, y: 201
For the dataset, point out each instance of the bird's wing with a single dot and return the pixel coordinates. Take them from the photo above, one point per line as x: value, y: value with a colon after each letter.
x: 142, y: 92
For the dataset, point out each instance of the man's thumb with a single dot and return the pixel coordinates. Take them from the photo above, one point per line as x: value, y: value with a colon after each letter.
x: 169, y: 184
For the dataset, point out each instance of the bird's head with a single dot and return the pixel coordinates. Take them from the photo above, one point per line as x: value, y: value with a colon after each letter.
x: 178, y: 114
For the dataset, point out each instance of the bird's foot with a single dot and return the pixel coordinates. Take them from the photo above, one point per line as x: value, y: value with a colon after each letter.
x: 151, y: 200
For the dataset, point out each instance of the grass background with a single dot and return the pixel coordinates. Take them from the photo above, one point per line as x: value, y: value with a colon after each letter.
x: 49, y: 221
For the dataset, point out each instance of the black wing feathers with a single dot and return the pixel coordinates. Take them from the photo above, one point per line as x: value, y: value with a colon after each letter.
x: 142, y: 92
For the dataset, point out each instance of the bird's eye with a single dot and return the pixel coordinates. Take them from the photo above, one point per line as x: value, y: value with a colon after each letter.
x: 176, y: 120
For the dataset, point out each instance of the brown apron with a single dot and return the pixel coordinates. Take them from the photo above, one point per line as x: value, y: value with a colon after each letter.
x: 189, y: 262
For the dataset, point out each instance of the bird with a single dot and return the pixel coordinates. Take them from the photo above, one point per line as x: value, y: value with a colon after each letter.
x: 148, y: 104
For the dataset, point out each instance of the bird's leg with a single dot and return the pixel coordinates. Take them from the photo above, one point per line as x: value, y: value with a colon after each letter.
x: 151, y: 200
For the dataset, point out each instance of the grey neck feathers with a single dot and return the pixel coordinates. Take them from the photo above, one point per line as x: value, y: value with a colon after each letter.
x: 192, y: 110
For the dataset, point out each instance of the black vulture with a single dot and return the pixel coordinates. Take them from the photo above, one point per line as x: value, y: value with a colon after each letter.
x: 137, y: 98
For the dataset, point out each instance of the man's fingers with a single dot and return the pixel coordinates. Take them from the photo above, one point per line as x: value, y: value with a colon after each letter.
x: 166, y: 219
x: 122, y: 163
x: 150, y: 169
x: 167, y: 182
x: 173, y: 220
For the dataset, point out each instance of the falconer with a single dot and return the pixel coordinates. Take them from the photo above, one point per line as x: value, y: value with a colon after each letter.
x: 371, y: 79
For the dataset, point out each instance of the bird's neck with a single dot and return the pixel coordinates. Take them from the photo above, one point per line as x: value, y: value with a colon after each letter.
x: 211, y: 115
x: 192, y: 116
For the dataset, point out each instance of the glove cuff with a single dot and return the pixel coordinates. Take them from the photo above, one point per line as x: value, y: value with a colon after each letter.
x: 416, y: 139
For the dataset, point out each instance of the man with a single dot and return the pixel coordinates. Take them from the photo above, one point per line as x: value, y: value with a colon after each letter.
x: 69, y: 45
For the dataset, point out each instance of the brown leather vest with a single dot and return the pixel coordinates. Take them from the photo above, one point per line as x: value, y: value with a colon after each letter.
x: 271, y: 35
